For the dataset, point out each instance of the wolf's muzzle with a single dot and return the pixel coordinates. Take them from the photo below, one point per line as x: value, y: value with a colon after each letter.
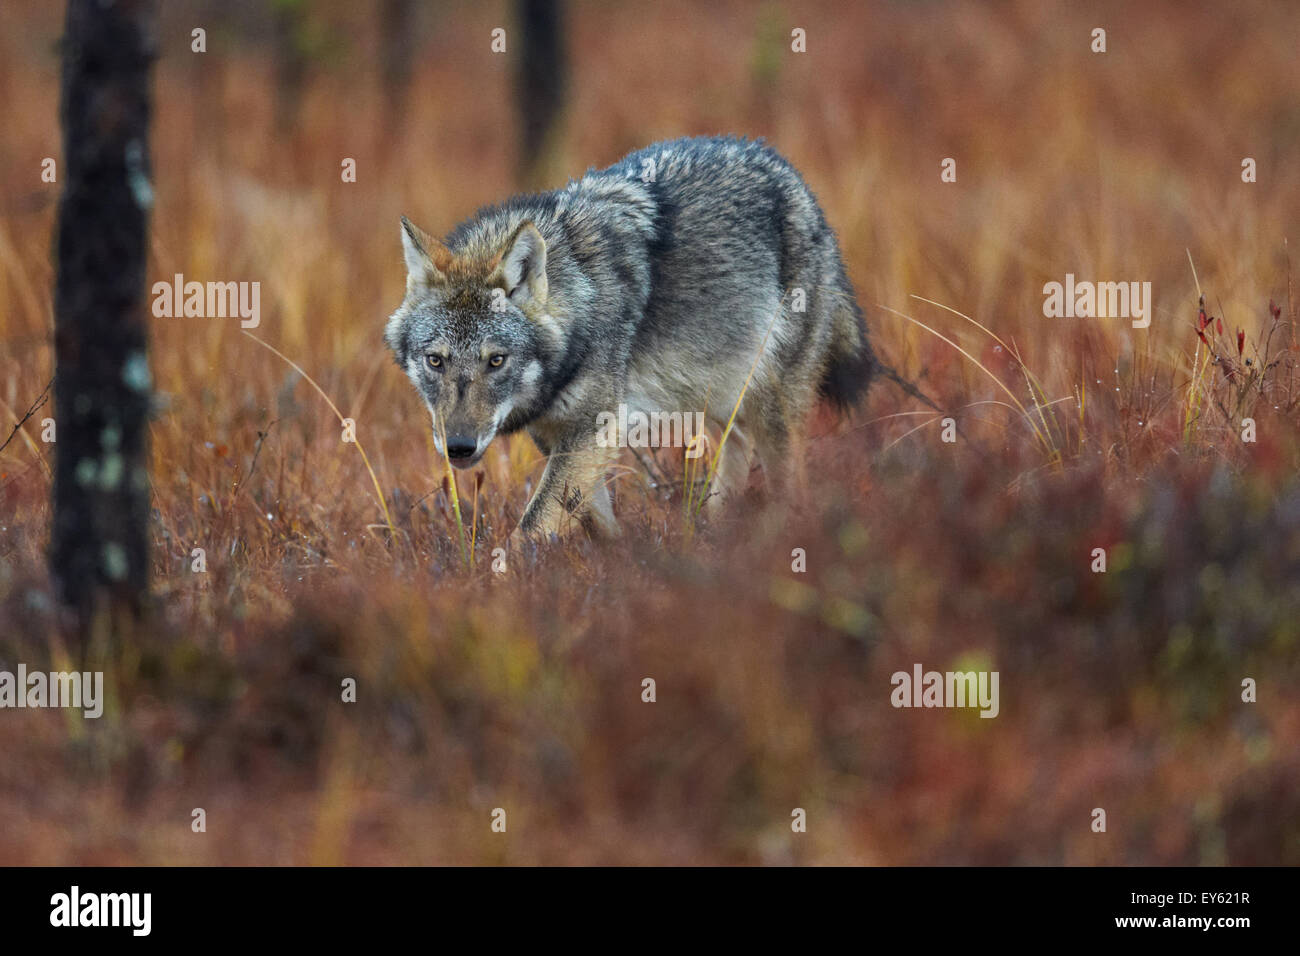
x: 461, y: 446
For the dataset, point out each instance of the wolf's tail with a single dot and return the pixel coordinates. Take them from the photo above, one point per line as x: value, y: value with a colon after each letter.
x: 848, y: 374
x: 854, y: 365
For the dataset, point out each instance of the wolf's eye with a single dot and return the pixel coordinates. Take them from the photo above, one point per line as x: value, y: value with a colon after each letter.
x: 434, y: 361
x: 496, y: 361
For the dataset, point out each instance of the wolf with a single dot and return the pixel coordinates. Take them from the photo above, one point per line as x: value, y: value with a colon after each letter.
x: 692, y: 275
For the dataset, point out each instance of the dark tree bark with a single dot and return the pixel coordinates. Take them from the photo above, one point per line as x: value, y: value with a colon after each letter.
x: 99, y: 553
x: 290, y: 64
x: 540, y: 84
x: 396, y: 53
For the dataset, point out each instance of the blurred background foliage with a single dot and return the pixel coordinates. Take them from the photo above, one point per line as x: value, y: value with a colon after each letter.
x: 1119, y: 690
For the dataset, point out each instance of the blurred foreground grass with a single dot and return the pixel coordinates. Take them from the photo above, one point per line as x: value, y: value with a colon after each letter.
x: 1120, y: 690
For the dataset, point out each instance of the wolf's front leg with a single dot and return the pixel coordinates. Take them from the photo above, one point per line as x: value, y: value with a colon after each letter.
x: 573, y: 493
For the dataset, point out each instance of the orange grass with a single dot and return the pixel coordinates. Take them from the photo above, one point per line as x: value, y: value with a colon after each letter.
x: 523, y: 690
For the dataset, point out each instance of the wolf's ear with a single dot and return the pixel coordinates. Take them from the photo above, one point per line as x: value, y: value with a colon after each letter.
x: 426, y: 257
x: 522, y: 268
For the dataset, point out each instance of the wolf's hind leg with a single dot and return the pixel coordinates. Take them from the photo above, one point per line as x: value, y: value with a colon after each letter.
x: 776, y: 445
x: 733, y: 470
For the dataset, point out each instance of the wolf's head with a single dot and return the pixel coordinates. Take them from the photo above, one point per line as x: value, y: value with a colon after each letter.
x: 471, y: 333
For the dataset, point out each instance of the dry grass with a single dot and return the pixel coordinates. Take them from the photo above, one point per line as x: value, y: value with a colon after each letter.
x: 522, y: 691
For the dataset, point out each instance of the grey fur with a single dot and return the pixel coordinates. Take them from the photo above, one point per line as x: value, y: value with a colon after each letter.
x: 659, y: 282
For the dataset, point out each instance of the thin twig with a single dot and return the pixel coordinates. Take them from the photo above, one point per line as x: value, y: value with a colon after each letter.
x: 41, y: 400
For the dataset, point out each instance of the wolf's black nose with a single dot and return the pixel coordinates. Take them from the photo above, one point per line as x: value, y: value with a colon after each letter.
x: 460, y: 446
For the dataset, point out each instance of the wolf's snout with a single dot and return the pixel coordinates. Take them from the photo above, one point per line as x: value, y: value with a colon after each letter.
x: 461, y: 446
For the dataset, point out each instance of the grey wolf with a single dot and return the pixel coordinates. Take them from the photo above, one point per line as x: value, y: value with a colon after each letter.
x: 658, y: 283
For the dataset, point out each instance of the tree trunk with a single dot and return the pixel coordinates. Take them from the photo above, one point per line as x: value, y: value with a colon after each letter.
x: 99, y: 554
x: 396, y: 53
x: 290, y: 65
x: 540, y: 84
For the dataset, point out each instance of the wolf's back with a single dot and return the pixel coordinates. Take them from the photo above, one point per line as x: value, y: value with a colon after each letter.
x: 730, y: 212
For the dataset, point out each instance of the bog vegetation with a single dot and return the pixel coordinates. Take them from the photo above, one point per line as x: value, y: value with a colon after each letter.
x: 325, y: 560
